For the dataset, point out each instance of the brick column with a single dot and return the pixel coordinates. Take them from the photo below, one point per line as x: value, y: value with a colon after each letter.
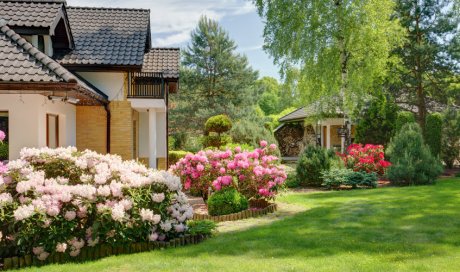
x: 121, y: 129
x: 91, y: 128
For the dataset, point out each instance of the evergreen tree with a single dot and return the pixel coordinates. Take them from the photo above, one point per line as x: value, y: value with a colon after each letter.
x: 430, y: 56
x: 214, y: 80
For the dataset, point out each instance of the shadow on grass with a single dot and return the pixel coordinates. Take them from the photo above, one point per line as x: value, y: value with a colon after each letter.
x: 403, y: 223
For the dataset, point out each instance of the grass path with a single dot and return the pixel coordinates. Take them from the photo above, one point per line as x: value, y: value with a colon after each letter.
x: 385, y: 229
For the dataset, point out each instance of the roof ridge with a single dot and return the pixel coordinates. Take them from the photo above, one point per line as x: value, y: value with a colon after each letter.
x: 108, y: 8
x: 41, y: 57
x: 165, y: 48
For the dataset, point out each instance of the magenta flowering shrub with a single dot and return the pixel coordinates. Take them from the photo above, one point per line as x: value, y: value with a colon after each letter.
x: 61, y: 200
x: 255, y: 174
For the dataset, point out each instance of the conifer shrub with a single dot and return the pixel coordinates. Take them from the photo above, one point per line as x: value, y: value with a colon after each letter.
x: 411, y: 159
x: 312, y: 162
x: 433, y: 133
x: 403, y: 118
x: 226, y: 201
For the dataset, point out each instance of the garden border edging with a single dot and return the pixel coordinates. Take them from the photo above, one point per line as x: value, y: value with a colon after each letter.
x: 237, y: 216
x: 98, y: 252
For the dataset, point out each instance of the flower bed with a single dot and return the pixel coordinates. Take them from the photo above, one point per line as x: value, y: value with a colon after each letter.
x: 255, y: 174
x: 60, y: 201
x: 365, y: 158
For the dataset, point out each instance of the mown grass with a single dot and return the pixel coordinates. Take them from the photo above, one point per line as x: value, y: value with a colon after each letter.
x: 389, y: 229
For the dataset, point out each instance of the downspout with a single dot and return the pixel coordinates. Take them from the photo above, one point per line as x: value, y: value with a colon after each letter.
x: 107, y: 110
x: 167, y: 124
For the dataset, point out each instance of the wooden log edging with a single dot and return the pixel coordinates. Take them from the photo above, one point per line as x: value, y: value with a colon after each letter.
x: 98, y: 252
x: 237, y: 216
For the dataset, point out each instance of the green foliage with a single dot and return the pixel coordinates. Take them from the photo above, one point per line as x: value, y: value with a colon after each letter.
x: 193, y: 143
x: 232, y: 146
x: 226, y: 201
x: 433, y: 133
x: 251, y: 132
x: 216, y: 141
x: 175, y: 155
x: 412, y: 161
x: 334, y: 178
x: 343, y: 46
x: 274, y: 118
x: 218, y: 124
x: 204, y: 227
x: 450, y: 142
x: 429, y: 58
x: 376, y: 124
x: 312, y: 162
x: 4, y: 147
x: 404, y: 117
x: 214, y: 79
x: 292, y: 181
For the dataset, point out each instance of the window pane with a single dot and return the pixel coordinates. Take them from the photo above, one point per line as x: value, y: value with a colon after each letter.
x: 52, y: 135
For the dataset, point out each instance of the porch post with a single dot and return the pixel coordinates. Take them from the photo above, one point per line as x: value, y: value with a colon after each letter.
x: 328, y: 139
x: 152, y: 138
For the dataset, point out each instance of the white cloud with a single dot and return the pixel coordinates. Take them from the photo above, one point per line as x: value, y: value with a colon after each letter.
x: 174, y: 19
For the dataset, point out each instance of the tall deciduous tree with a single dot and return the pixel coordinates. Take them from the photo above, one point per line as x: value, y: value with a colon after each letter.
x: 431, y: 54
x: 341, y: 46
x: 214, y: 80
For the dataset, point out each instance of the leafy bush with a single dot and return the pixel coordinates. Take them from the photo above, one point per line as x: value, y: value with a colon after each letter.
x: 226, y: 201
x: 205, y: 227
x: 60, y: 200
x: 368, y: 158
x: 312, y: 162
x: 412, y: 161
x: 175, y: 155
x: 256, y: 174
x: 450, y: 143
x: 291, y: 181
x: 433, y: 133
x: 218, y: 124
x: 233, y: 146
x: 404, y: 117
x: 334, y: 178
x: 4, y: 151
x: 216, y: 141
x: 376, y: 124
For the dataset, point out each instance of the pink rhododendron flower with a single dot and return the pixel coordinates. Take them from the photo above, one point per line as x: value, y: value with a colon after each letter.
x: 61, y: 247
x: 2, y: 135
x: 263, y: 143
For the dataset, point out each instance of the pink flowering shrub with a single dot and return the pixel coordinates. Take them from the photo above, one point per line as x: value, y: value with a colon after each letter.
x: 255, y: 174
x: 368, y: 158
x: 61, y: 200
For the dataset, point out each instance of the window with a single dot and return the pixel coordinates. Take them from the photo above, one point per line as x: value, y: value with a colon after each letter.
x: 4, y: 127
x: 41, y: 43
x: 52, y: 130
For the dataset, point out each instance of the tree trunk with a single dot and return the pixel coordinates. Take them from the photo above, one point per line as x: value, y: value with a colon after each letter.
x: 421, y: 102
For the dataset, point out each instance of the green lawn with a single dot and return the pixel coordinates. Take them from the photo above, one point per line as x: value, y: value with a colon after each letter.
x: 390, y: 229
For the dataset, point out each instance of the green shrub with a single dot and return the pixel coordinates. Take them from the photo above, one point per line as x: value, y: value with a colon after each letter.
x: 403, y: 118
x: 216, y: 141
x: 412, y: 161
x: 218, y: 124
x: 226, y: 201
x: 193, y: 144
x: 376, y: 123
x: 205, y: 227
x: 433, y: 133
x: 450, y: 142
x: 4, y: 151
x: 251, y: 132
x: 175, y: 155
x: 232, y: 146
x: 334, y: 178
x: 312, y: 162
x: 292, y: 181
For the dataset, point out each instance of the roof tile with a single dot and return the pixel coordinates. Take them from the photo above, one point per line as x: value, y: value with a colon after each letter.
x: 162, y: 60
x: 30, y: 13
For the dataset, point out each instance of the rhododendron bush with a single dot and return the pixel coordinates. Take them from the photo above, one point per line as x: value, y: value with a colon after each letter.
x: 366, y: 158
x: 256, y: 174
x: 61, y: 200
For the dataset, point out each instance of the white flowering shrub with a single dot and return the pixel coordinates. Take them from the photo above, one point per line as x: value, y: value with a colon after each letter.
x: 61, y: 200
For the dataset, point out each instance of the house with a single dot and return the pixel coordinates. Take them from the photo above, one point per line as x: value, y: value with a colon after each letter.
x: 84, y: 77
x: 304, y: 126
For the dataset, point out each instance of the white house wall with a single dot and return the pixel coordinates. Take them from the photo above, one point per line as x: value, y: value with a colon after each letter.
x: 111, y: 83
x: 27, y: 121
x: 144, y: 135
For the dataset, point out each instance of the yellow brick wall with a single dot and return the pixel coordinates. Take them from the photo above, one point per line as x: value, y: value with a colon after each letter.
x: 91, y: 128
x: 121, y: 129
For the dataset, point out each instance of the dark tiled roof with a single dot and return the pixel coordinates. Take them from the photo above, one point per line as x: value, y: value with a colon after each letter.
x: 20, y: 61
x: 30, y: 13
x: 107, y: 36
x: 162, y: 60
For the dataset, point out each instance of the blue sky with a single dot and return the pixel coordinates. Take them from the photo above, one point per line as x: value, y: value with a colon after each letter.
x: 172, y: 21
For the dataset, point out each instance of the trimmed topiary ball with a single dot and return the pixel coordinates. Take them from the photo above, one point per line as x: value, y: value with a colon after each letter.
x: 218, y: 124
x: 226, y: 201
